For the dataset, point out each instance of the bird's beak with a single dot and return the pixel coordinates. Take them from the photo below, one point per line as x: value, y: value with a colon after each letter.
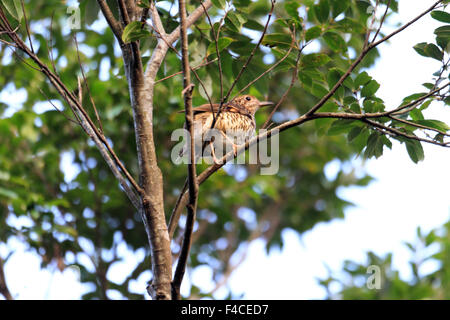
x: 265, y: 103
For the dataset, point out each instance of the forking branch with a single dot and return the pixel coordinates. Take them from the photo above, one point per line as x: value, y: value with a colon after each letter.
x: 312, y: 113
x: 127, y: 182
x: 192, y: 174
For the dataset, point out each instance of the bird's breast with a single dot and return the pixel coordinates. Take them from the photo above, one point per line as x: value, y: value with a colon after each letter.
x: 231, y: 123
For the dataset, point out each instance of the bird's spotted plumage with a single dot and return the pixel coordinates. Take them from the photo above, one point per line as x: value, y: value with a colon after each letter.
x: 235, y: 122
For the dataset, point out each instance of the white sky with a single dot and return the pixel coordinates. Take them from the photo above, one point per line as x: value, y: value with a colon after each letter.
x: 387, y: 214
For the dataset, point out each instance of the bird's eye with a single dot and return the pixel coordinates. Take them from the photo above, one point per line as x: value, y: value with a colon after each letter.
x: 248, y: 98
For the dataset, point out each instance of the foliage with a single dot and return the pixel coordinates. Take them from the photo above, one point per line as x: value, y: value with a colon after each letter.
x: 432, y: 249
x: 57, y: 194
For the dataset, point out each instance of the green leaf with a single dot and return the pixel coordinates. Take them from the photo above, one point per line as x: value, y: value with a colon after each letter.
x: 91, y: 10
x: 370, y: 88
x: 443, y: 42
x: 433, y: 51
x: 441, y: 16
x: 333, y: 76
x: 335, y: 41
x: 305, y: 79
x: 420, y: 48
x: 349, y: 100
x: 291, y: 8
x: 318, y: 90
x: 374, y: 146
x: 8, y: 193
x: 443, y: 31
x: 416, y: 114
x: 435, y: 124
x: 442, y: 36
x: 415, y: 150
x: 254, y: 25
x: 340, y: 126
x: 322, y: 11
x: 234, y: 21
x: 414, y: 96
x: 313, y: 33
x: 14, y: 7
x: 219, y: 3
x: 339, y: 6
x: 315, y: 60
x: 277, y: 39
x: 222, y: 43
x: 133, y: 32
x: 355, y: 132
x: 428, y: 85
x: 362, y: 79
x: 145, y: 3
x: 314, y: 73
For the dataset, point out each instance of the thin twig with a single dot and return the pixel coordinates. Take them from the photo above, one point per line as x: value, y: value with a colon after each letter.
x: 420, y: 126
x: 50, y: 45
x: 87, y: 86
x: 271, y: 67
x: 382, y: 21
x: 369, y: 29
x: 247, y: 62
x: 181, y: 72
x: 57, y: 109
x: 27, y: 27
x: 293, y: 80
x: 105, y: 149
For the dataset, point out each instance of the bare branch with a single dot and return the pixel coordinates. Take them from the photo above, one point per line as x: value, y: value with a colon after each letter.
x: 181, y: 72
x: 382, y: 21
x: 112, y: 22
x: 27, y: 27
x: 293, y: 80
x: 267, y: 71
x: 413, y: 104
x: 102, y: 144
x: 123, y: 12
x: 420, y: 126
x: 87, y: 86
x: 191, y: 19
x: 156, y: 20
x: 374, y: 44
x: 192, y: 175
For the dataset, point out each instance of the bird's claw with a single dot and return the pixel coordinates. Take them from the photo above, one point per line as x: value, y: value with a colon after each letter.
x: 235, y: 150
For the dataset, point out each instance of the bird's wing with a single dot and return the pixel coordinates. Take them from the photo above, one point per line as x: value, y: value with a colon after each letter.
x: 215, y: 107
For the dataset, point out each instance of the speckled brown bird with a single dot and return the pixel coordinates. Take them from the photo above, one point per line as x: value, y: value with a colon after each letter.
x: 235, y: 123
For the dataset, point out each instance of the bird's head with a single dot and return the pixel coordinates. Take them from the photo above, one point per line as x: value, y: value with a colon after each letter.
x: 250, y: 103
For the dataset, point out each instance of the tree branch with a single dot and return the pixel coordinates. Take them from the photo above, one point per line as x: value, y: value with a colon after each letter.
x: 87, y: 124
x: 111, y: 20
x: 364, y: 52
x: 192, y: 175
x: 3, y: 287
x: 156, y: 19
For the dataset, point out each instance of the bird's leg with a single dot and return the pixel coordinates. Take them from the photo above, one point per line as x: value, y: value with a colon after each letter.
x: 235, y: 146
x: 213, y: 154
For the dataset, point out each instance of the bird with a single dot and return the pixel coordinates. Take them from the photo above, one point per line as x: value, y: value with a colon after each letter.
x: 235, y: 124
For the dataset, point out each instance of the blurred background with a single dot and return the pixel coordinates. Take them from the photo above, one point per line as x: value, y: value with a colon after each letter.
x: 309, y: 232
